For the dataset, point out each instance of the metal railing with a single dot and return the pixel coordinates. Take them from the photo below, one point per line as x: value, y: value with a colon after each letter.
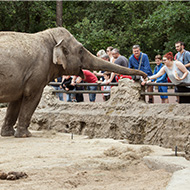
x: 143, y: 89
x: 152, y: 63
x: 99, y: 91
x: 144, y: 93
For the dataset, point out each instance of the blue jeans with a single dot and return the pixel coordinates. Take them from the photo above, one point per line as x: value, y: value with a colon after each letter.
x: 60, y: 95
x: 163, y: 89
x: 92, y: 97
x: 70, y: 97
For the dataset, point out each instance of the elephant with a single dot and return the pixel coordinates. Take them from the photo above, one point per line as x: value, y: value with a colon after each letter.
x: 29, y: 61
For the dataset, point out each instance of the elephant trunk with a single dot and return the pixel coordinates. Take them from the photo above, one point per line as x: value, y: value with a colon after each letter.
x: 92, y: 62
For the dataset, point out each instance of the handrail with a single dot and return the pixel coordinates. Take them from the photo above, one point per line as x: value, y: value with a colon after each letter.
x: 166, y: 93
x: 86, y: 84
x: 143, y: 93
x: 166, y: 84
x: 82, y: 91
x: 152, y: 62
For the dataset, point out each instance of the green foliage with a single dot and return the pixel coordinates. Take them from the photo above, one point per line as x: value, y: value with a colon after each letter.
x: 154, y: 25
x: 167, y: 25
x: 27, y: 16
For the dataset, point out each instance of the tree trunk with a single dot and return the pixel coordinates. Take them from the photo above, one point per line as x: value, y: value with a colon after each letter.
x: 59, y: 12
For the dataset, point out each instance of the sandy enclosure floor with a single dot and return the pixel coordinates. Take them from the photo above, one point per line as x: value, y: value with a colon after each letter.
x: 54, y: 161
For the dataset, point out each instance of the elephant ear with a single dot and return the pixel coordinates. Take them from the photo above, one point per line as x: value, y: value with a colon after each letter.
x: 59, y: 54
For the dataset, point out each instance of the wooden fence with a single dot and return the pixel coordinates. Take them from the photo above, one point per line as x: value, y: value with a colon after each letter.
x: 85, y: 91
x: 143, y: 89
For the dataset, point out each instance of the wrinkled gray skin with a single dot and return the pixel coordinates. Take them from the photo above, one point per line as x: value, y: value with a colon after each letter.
x: 28, y: 62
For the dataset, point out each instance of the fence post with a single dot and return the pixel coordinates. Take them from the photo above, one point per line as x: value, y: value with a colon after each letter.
x: 142, y: 90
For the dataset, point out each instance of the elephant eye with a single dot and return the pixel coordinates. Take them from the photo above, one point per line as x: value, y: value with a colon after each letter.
x: 81, y: 50
x: 65, y: 51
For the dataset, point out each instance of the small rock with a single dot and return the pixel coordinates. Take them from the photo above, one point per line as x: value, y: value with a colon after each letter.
x: 18, y: 175
x: 3, y: 175
x: 11, y: 177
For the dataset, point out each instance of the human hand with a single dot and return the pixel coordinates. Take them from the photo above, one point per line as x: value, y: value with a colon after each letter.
x: 108, y: 81
x: 176, y: 76
x: 73, y: 83
x: 95, y: 72
x: 148, y: 81
x: 67, y: 89
x: 145, y: 81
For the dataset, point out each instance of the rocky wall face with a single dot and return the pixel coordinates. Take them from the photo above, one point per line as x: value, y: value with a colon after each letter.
x: 124, y: 116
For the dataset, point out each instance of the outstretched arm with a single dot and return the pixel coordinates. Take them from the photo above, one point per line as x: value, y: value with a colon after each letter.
x: 79, y: 79
x: 148, y: 79
x: 160, y: 73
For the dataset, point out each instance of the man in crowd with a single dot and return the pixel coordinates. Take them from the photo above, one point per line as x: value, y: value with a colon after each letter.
x: 140, y: 61
x: 119, y: 60
x: 183, y: 55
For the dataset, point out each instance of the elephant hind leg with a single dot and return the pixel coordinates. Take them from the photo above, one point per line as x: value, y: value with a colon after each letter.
x: 22, y: 133
x: 12, y: 113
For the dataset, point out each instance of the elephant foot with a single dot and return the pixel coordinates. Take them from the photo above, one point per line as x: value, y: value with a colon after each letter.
x: 7, y: 132
x: 22, y: 133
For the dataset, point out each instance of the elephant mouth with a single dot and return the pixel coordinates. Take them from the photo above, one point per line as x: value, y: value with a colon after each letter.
x: 81, y: 74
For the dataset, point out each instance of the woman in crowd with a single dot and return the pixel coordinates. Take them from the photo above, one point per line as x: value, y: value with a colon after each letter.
x: 176, y: 72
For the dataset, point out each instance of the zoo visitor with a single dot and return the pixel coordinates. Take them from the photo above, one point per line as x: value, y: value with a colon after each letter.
x: 177, y: 73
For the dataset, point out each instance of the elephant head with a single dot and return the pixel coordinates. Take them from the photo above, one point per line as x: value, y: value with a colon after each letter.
x: 71, y: 54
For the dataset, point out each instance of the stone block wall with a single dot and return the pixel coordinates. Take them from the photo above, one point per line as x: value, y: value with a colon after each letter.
x: 124, y: 116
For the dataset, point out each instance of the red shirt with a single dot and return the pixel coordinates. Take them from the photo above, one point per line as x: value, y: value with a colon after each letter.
x: 122, y: 76
x: 89, y: 77
x: 136, y: 58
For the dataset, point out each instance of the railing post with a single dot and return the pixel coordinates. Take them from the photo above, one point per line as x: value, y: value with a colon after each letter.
x: 99, y: 87
x: 143, y: 90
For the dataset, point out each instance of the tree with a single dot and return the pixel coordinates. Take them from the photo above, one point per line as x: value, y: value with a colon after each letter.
x: 59, y: 12
x: 167, y: 25
x: 27, y: 16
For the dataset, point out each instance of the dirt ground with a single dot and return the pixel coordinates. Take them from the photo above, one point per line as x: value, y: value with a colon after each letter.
x: 55, y: 161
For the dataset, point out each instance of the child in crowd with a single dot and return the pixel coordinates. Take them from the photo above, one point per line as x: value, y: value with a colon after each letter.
x: 161, y: 79
x: 66, y: 85
x: 106, y: 96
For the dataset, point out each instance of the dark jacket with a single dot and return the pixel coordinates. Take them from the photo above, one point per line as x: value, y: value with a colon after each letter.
x: 67, y: 84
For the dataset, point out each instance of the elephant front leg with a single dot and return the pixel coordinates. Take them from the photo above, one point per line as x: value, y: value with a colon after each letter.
x: 10, y: 118
x: 27, y: 109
